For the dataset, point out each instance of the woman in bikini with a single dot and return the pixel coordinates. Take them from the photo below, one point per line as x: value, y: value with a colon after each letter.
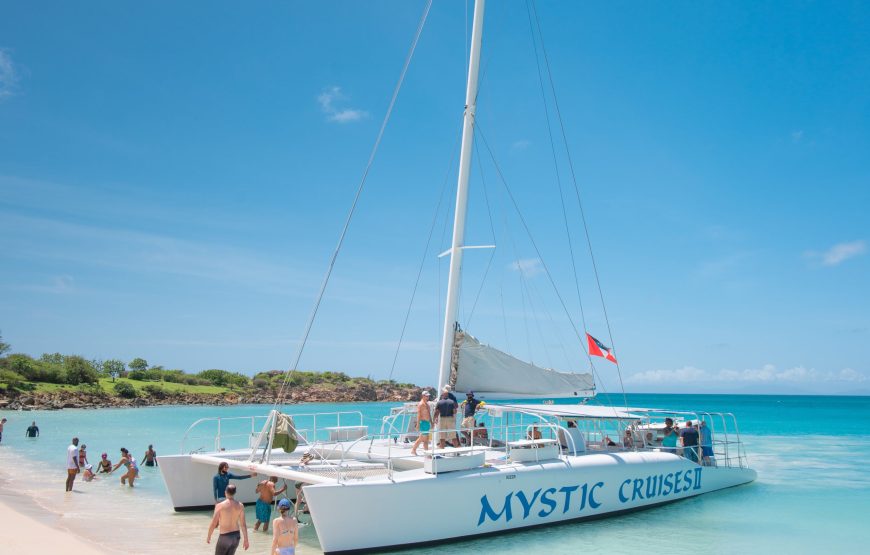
x: 285, y: 532
x: 83, y: 456
x: 132, y: 470
x: 105, y: 465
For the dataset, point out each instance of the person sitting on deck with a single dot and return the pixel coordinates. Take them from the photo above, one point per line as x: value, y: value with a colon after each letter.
x: 627, y: 439
x: 534, y: 432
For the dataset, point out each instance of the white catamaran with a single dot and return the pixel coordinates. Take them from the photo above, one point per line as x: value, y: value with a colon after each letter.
x: 523, y: 465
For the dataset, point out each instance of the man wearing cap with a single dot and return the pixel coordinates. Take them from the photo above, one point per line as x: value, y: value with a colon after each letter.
x: 229, y: 517
x: 469, y: 407
x: 424, y: 423
x: 445, y: 418
x: 285, y: 531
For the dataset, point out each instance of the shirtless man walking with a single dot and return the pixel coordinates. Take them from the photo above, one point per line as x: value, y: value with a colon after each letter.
x: 229, y: 517
x: 285, y: 531
x: 424, y: 423
x: 267, y: 492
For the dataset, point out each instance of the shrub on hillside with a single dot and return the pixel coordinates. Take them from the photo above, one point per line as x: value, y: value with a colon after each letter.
x: 223, y: 378
x: 260, y: 383
x: 126, y: 390
x: 78, y: 370
x: 138, y: 375
x: 155, y: 391
x: 11, y: 378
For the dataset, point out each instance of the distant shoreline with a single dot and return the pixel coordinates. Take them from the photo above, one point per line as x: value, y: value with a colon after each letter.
x: 76, y: 399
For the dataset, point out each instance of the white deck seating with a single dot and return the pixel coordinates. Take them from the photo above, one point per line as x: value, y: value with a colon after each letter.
x: 527, y: 450
x: 450, y: 460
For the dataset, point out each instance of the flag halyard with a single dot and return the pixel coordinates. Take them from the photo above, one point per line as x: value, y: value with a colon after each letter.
x: 597, y: 348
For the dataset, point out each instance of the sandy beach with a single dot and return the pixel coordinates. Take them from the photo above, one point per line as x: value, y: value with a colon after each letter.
x: 33, y: 536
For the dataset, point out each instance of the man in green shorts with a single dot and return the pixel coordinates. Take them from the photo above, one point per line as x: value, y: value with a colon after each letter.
x: 424, y: 423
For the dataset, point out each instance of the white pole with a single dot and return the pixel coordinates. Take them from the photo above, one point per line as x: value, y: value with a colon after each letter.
x: 454, y: 277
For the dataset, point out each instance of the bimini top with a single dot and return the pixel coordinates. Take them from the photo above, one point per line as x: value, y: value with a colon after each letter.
x: 578, y: 411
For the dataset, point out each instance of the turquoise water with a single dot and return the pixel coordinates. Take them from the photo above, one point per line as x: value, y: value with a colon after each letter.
x: 812, y: 494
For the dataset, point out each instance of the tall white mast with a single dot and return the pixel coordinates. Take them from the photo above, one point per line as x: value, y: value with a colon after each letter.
x: 454, y: 277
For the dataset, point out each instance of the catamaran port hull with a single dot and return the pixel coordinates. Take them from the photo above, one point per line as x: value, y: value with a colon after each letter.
x: 189, y: 483
x: 376, y: 515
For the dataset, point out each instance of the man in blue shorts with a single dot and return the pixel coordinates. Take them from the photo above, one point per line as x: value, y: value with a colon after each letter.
x: 267, y: 492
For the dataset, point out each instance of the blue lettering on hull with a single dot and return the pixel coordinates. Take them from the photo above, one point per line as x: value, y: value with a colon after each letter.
x: 576, y: 498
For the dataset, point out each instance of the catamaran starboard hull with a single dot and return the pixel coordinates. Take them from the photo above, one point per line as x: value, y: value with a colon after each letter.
x: 369, y: 516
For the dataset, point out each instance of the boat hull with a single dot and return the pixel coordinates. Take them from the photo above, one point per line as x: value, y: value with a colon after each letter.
x: 368, y: 516
x: 189, y: 483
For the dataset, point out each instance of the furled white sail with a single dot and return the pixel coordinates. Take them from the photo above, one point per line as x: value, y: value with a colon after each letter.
x: 492, y: 374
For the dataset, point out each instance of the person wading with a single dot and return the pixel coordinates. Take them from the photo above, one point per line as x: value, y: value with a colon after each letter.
x: 229, y: 518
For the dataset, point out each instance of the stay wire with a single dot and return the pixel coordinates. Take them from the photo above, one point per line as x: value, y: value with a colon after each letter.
x: 359, y: 191
x: 528, y: 231
x: 558, y: 173
x: 577, y: 193
x: 455, y: 150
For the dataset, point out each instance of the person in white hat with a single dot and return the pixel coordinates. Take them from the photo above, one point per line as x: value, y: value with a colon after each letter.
x: 424, y: 423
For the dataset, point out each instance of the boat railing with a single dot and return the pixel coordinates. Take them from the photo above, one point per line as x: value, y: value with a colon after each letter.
x: 228, y: 432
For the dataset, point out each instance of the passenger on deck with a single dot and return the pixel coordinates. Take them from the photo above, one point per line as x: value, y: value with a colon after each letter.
x: 222, y: 479
x: 534, y: 432
x: 627, y: 439
x: 469, y: 407
x: 607, y: 442
x: 669, y: 443
x: 480, y: 436
x: 424, y: 423
x: 689, y: 436
x: 445, y: 418
x: 706, y: 443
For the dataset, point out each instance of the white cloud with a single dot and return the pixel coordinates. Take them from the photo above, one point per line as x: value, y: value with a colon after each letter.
x: 522, y: 144
x: 767, y: 374
x: 328, y: 99
x: 8, y: 75
x: 842, y: 252
x: 527, y: 266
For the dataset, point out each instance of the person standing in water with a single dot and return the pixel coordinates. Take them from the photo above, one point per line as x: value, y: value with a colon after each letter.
x: 229, y: 518
x: 222, y: 480
x: 32, y: 430
x: 72, y: 463
x: 2, y: 423
x: 150, y: 456
x: 267, y: 492
x: 285, y: 531
x: 132, y: 469
x: 83, y: 455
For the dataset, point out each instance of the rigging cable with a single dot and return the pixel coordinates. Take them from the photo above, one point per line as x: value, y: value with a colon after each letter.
x: 558, y: 177
x: 577, y: 193
x: 423, y: 259
x: 359, y: 191
x: 516, y: 206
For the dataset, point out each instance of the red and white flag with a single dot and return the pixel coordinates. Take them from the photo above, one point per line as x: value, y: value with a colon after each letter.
x: 597, y: 348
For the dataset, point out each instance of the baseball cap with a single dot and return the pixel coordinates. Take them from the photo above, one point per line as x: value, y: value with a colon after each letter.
x: 426, y: 393
x: 284, y: 504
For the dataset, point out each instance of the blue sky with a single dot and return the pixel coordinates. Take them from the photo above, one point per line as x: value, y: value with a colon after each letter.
x: 173, y: 178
